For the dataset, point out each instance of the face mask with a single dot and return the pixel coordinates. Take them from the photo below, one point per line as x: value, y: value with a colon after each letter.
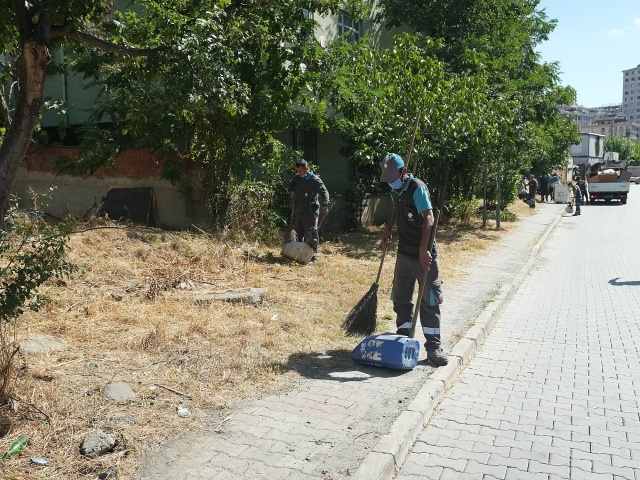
x: 302, y: 175
x: 397, y: 184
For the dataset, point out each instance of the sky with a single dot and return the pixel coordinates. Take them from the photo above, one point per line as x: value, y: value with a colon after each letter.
x: 594, y: 41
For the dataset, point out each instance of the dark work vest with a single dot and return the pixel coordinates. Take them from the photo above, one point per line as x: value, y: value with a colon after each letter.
x: 409, y: 221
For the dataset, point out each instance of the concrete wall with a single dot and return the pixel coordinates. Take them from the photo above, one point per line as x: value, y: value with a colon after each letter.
x: 82, y: 196
x: 79, y: 195
x: 378, y: 210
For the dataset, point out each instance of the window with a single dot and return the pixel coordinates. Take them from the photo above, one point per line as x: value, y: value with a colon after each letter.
x: 307, y: 14
x: 305, y: 140
x: 348, y: 28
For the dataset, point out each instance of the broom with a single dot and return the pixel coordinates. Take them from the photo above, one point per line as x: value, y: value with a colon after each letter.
x: 362, y: 318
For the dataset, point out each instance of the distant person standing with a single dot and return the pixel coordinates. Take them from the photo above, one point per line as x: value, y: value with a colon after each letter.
x: 553, y: 181
x: 311, y: 199
x: 523, y: 187
x: 584, y: 194
x: 533, y: 188
x: 577, y: 196
x: 544, y: 187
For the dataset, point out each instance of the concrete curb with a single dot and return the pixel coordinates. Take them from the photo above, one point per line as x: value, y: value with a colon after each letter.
x: 385, y: 459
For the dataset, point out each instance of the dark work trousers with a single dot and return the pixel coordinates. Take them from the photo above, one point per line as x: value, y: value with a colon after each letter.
x: 578, y: 203
x: 307, y: 230
x: 407, y: 271
x: 585, y: 197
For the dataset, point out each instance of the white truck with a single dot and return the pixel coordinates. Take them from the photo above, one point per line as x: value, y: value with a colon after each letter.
x: 611, y: 183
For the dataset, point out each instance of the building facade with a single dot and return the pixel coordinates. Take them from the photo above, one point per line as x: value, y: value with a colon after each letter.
x: 577, y: 114
x: 631, y: 94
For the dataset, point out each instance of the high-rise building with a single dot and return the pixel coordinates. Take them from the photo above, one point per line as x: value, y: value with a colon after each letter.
x: 631, y: 94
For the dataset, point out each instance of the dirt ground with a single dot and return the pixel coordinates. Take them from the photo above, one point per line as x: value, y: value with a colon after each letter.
x: 130, y: 315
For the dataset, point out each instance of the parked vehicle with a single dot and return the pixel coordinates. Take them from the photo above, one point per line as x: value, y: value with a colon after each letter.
x: 635, y: 180
x: 610, y: 184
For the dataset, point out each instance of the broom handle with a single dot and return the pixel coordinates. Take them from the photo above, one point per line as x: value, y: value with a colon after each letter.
x: 384, y: 252
x: 413, y: 137
x: 416, y: 311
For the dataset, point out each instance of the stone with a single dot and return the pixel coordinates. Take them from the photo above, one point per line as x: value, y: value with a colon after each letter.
x: 252, y: 296
x: 41, y: 343
x: 120, y: 392
x: 96, y: 443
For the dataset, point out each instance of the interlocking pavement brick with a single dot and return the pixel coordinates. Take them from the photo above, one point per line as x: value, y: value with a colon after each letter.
x: 578, y: 474
x: 516, y: 463
x: 623, y: 472
x: 498, y: 471
x: 539, y: 467
x: 514, y: 474
x: 449, y: 474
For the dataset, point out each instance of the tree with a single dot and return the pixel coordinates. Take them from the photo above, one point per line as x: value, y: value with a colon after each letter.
x: 635, y: 156
x: 495, y: 40
x: 27, y: 35
x: 376, y: 96
x: 205, y: 80
x: 624, y: 146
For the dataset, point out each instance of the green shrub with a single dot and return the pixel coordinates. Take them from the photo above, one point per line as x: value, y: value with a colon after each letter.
x: 461, y: 209
x: 32, y: 250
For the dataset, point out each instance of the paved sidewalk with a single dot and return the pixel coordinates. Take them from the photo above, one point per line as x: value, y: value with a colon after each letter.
x: 346, y: 420
x: 554, y: 391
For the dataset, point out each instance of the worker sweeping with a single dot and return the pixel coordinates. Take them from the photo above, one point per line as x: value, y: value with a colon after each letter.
x: 413, y: 216
x: 311, y: 199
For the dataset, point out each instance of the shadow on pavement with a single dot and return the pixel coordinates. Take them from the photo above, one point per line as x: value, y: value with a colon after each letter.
x: 335, y: 365
x: 616, y: 283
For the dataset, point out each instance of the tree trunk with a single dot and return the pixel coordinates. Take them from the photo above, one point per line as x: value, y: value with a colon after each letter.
x: 34, y: 61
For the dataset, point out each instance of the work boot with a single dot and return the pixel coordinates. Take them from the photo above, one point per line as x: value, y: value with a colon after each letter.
x: 437, y: 357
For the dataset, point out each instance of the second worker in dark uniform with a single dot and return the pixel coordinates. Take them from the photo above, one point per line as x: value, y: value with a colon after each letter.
x: 311, y: 199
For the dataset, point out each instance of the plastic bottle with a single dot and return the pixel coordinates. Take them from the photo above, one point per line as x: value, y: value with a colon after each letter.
x: 16, y: 447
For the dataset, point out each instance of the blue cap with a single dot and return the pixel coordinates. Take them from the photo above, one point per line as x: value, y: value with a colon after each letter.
x: 391, y: 164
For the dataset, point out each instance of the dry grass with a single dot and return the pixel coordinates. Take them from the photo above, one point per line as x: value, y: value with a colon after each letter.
x: 127, y: 318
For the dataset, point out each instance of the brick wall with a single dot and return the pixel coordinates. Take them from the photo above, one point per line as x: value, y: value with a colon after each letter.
x: 134, y: 163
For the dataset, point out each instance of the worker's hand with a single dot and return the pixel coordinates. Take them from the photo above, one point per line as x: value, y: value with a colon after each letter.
x: 385, y: 236
x: 425, y: 260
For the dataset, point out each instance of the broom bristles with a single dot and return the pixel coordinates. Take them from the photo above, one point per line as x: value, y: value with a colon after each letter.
x: 362, y: 318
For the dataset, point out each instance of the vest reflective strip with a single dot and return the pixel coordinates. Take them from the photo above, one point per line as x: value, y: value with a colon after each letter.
x: 405, y: 325
x: 431, y: 331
